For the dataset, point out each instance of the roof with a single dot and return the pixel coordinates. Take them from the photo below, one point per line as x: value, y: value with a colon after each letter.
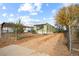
x: 9, y: 25
x: 40, y: 24
x: 13, y: 25
x: 29, y: 27
x: 43, y: 24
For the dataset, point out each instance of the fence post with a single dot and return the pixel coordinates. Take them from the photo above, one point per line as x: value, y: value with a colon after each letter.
x: 70, y: 40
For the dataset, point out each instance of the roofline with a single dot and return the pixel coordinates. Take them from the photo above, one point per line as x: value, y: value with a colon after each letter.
x: 40, y: 24
x: 5, y: 24
x: 43, y: 24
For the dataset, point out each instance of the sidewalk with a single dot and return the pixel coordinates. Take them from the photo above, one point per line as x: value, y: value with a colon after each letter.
x: 15, y: 50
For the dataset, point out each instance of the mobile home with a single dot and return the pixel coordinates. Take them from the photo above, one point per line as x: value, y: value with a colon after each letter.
x: 43, y: 28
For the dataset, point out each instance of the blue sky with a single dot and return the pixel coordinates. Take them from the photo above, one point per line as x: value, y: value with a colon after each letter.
x: 29, y: 13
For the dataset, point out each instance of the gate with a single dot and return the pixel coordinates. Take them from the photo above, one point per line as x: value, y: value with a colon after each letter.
x: 75, y: 38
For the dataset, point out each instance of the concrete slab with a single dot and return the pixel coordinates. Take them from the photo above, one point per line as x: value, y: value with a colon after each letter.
x: 16, y: 50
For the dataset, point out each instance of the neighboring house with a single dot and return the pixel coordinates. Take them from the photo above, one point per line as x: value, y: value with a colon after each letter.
x: 7, y: 28
x: 28, y: 29
x: 44, y: 28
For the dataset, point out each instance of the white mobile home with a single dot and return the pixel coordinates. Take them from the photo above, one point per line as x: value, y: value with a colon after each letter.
x: 44, y: 28
x: 28, y: 29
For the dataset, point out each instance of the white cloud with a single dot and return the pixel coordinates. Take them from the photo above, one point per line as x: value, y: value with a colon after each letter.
x: 26, y: 7
x: 3, y: 7
x: 4, y: 15
x: 66, y: 4
x: 38, y: 6
x: 49, y: 20
x: 33, y: 9
x: 27, y: 20
x: 1, y: 4
x: 25, y: 17
x: 10, y: 20
x: 44, y: 18
x: 47, y: 4
x: 34, y: 13
x: 41, y: 11
x: 0, y: 22
x: 30, y: 7
x: 52, y: 21
x: 11, y: 15
x: 54, y: 11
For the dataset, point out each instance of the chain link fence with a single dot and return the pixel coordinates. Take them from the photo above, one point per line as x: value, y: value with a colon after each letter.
x: 7, y: 35
x: 75, y: 40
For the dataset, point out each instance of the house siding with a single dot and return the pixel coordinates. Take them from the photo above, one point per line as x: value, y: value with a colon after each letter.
x: 40, y: 31
x: 46, y: 29
x: 7, y: 29
x: 27, y: 29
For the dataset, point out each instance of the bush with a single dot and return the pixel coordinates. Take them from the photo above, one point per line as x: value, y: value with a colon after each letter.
x: 60, y: 30
x: 19, y: 29
x: 33, y: 31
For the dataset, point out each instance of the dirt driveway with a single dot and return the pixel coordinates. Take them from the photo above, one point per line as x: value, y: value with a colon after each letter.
x: 54, y: 44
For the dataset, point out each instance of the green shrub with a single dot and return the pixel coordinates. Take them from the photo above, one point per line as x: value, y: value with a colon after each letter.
x: 33, y: 31
x: 19, y: 29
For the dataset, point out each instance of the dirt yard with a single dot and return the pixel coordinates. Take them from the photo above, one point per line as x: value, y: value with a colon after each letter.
x: 8, y: 39
x: 54, y: 44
